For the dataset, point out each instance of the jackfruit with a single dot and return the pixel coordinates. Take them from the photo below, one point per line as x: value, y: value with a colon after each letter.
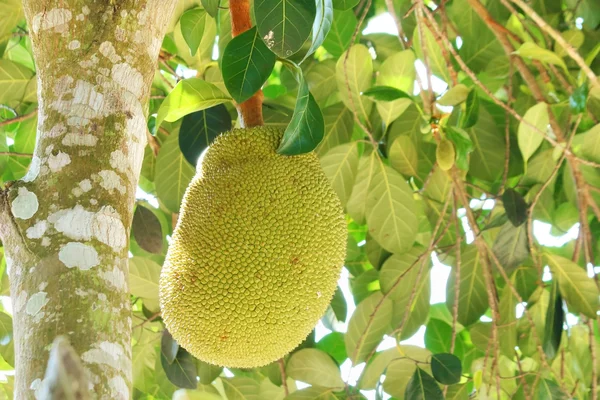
x: 256, y: 254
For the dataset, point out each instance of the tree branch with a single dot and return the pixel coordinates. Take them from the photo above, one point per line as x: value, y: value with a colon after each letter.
x: 558, y: 38
x: 250, y: 111
x: 19, y: 118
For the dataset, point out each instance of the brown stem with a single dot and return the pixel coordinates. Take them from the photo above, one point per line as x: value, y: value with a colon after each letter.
x: 11, y: 153
x: 500, y: 32
x: 283, y: 376
x: 19, y: 118
x: 559, y: 39
x: 250, y: 111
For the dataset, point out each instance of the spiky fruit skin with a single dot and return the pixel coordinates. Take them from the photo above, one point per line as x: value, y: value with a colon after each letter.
x: 256, y: 255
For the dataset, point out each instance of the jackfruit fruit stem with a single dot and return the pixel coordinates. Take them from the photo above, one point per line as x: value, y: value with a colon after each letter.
x: 250, y: 111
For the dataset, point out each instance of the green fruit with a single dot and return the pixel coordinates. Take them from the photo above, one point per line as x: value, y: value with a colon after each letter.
x: 256, y: 255
x: 445, y: 154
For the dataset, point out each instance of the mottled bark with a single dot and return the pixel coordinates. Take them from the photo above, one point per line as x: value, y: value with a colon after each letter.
x: 65, y: 225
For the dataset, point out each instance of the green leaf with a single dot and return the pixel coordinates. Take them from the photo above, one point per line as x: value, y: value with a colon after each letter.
x: 313, y: 393
x: 340, y: 34
x: 401, y: 370
x: 12, y: 13
x: 462, y: 144
x: 182, y: 371
x: 199, y: 129
x: 246, y: 65
x: 211, y: 7
x: 284, y: 25
x: 168, y: 347
x: 438, y: 336
x: 549, y: 390
x: 367, y: 326
x: 208, y: 372
x: 143, y: 278
x: 192, y: 27
x: 515, y: 206
x: 469, y: 118
x: 173, y: 173
x: 147, y: 230
x: 338, y: 127
x: 340, y: 165
x: 321, y: 26
x: 511, y: 246
x: 422, y: 387
x: 7, y: 347
x: 487, y: 163
x: 14, y: 79
x: 529, y: 139
x: 579, y: 291
x: 472, y: 301
x: 344, y: 4
x: 435, y: 57
x: 184, y: 394
x: 386, y: 93
x: 399, y: 273
x: 189, y: 95
x: 315, y: 368
x: 354, y: 73
x: 376, y: 254
x: 307, y: 127
x: 578, y: 99
x: 532, y: 51
x: 338, y: 304
x: 454, y: 96
x: 446, y: 368
x: 367, y: 168
x: 390, y: 210
x: 403, y: 156
x: 241, y: 388
x: 553, y: 328
x: 318, y: 76
x: 333, y: 344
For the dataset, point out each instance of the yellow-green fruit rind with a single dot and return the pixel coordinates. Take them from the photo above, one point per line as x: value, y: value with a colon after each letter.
x: 445, y: 154
x: 256, y: 255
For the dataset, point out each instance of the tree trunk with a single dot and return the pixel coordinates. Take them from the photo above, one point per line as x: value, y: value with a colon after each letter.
x: 65, y: 225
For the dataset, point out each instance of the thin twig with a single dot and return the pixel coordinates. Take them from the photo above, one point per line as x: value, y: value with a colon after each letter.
x: 571, y: 52
x: 283, y: 376
x: 19, y: 118
x: 14, y: 154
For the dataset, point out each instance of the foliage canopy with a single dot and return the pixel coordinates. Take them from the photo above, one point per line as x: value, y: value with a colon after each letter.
x: 471, y: 138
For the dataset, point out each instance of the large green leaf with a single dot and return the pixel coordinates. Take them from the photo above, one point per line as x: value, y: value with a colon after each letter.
x: 318, y: 76
x: 306, y: 128
x: 192, y: 27
x: 340, y: 165
x: 189, y: 95
x: 435, y: 58
x: 400, y: 371
x: 511, y: 246
x: 14, y: 79
x: 403, y: 156
x: 241, y: 388
x: 315, y: 368
x: 354, y: 74
x: 472, y: 298
x: 579, y: 291
x: 390, y: 210
x: 322, y: 24
x: 173, y: 173
x: 247, y: 63
x: 366, y: 327
x: 12, y: 13
x: 487, y: 162
x: 422, y: 386
x: 529, y: 138
x: 199, y: 129
x: 397, y: 71
x: 357, y: 203
x: 284, y: 25
x: 143, y: 279
x: 338, y: 127
x: 340, y: 34
x: 532, y: 51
